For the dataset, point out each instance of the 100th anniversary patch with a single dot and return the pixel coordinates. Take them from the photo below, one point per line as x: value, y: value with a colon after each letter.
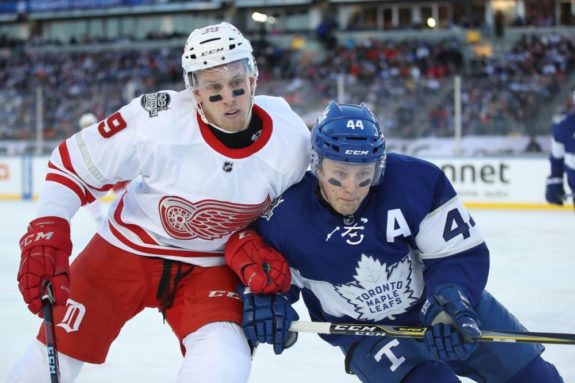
x: 155, y: 102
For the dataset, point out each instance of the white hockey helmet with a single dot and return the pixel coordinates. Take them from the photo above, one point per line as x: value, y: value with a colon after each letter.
x: 86, y: 120
x: 213, y: 46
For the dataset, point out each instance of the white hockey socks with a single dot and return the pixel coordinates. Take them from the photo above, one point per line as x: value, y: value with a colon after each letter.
x: 33, y: 366
x: 217, y: 353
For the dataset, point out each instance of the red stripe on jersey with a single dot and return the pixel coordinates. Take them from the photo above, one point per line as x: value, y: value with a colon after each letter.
x: 89, y: 196
x: 141, y: 233
x: 67, y: 162
x: 159, y: 252
x: 80, y: 192
x: 218, y: 146
x: 52, y: 166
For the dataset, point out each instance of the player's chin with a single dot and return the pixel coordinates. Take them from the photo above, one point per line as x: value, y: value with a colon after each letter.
x: 347, y: 208
x: 231, y: 126
x: 234, y: 122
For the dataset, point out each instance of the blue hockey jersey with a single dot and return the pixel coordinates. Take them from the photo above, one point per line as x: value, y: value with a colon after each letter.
x: 563, y: 150
x: 410, y: 234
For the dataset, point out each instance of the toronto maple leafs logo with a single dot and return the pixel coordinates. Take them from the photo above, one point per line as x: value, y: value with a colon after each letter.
x: 378, y: 291
x: 322, y: 116
x: 267, y: 215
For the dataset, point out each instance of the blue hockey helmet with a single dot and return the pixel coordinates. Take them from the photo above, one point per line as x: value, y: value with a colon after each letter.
x: 348, y: 133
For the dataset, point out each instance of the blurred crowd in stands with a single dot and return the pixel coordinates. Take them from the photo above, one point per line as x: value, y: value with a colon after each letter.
x: 409, y: 83
x: 508, y: 94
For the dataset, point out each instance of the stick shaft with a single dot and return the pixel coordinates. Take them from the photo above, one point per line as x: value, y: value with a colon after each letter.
x: 368, y: 329
x: 53, y: 365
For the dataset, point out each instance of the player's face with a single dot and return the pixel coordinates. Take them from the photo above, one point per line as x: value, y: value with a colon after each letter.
x: 225, y: 95
x: 344, y: 186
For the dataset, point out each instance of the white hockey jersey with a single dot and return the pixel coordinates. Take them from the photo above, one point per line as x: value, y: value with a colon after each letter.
x: 189, y: 192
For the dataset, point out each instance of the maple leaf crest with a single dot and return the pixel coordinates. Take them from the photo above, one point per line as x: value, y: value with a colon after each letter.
x: 270, y: 211
x: 379, y: 292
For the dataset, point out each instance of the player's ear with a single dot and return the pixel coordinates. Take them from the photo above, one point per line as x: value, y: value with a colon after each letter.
x: 197, y: 95
x: 253, y: 82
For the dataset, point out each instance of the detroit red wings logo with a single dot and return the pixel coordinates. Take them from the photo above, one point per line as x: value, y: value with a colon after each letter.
x: 207, y: 219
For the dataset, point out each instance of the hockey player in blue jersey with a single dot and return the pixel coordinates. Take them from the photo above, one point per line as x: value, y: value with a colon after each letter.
x: 379, y: 238
x: 562, y: 159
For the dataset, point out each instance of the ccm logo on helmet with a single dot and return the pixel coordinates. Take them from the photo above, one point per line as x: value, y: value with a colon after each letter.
x: 212, y: 51
x: 357, y: 152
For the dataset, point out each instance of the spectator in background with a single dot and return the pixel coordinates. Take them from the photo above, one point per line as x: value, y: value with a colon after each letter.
x: 499, y: 24
x: 326, y: 33
x: 505, y: 90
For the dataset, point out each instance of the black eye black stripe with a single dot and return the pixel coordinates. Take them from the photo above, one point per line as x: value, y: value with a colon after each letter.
x: 216, y: 98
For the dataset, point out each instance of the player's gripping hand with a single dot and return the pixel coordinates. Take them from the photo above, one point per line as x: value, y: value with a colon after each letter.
x: 454, y: 324
x: 267, y: 319
x: 45, y: 248
x: 554, y: 191
x: 259, y: 266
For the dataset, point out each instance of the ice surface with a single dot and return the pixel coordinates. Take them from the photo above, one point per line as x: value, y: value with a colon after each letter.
x: 532, y: 273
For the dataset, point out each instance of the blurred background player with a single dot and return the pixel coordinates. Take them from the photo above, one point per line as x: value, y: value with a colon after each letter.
x: 381, y: 239
x: 86, y: 120
x: 95, y: 208
x: 203, y: 163
x: 562, y: 159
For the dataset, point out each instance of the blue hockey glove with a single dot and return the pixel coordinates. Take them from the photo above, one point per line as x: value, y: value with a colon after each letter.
x: 444, y: 342
x: 267, y: 319
x: 554, y: 191
x: 454, y: 324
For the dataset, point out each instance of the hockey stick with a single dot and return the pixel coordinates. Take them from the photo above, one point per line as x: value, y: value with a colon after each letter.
x: 47, y: 301
x: 367, y: 329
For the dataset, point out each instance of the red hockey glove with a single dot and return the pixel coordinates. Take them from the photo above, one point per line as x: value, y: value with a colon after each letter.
x: 46, y: 248
x: 259, y: 266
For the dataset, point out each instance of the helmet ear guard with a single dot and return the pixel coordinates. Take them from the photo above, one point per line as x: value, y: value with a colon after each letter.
x: 350, y: 134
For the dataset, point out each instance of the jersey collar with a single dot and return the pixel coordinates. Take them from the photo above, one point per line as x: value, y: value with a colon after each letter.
x: 218, y: 146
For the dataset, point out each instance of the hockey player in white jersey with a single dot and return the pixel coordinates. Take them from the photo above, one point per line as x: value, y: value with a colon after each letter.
x: 384, y: 239
x: 203, y: 163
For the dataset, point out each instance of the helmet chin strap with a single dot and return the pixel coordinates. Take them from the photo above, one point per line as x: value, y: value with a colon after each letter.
x: 206, y: 121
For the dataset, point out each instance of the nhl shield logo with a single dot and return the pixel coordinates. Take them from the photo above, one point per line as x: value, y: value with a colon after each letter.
x: 228, y: 166
x: 155, y: 102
